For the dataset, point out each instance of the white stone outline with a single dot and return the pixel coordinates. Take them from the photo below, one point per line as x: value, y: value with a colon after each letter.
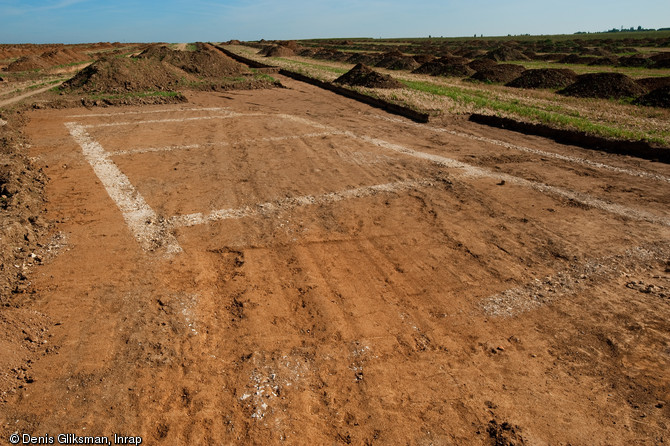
x: 154, y: 232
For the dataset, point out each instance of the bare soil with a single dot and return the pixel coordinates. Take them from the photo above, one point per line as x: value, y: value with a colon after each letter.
x: 544, y: 78
x: 342, y: 277
x: 501, y: 73
x: 603, y: 85
x: 363, y: 76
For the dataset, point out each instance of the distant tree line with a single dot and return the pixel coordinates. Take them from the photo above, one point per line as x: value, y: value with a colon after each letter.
x: 625, y: 30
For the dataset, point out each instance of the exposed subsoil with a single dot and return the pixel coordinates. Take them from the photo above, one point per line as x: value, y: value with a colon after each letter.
x: 364, y: 76
x: 366, y: 280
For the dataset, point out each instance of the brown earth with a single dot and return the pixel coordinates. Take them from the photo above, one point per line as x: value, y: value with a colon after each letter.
x: 279, y: 51
x: 544, y: 78
x: 446, y: 66
x: 652, y: 83
x: 506, y: 54
x: 659, y: 97
x: 206, y: 61
x: 395, y: 60
x: 27, y: 63
x: 603, y: 85
x: 363, y: 76
x: 121, y: 75
x: 501, y: 73
x: 364, y: 280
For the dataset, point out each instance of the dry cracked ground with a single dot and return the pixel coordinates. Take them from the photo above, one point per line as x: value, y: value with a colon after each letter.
x: 290, y: 266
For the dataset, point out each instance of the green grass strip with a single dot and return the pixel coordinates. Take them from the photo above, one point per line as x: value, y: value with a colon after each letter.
x: 514, y: 107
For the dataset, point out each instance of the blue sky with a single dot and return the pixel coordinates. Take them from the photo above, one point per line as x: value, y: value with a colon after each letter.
x: 77, y: 21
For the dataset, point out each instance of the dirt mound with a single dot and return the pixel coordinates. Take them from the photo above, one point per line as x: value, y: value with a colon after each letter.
x: 279, y: 51
x: 27, y: 63
x: 480, y: 64
x: 652, y: 83
x: 544, y: 78
x: 662, y: 63
x: 122, y: 75
x: 603, y: 85
x: 577, y: 60
x: 446, y: 66
x: 307, y: 52
x: 363, y: 76
x: 206, y: 61
x: 504, y: 54
x: 605, y: 61
x: 636, y: 61
x: 366, y: 59
x: 657, y: 98
x: 395, y: 60
x: 423, y: 58
x: 330, y: 54
x: 501, y: 73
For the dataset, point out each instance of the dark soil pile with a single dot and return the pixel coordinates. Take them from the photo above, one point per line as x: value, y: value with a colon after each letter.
x: 578, y: 60
x: 480, y: 64
x: 206, y: 61
x: 395, y: 60
x: 504, y: 54
x: 661, y: 63
x: 367, y: 59
x: 446, y: 66
x: 638, y: 61
x: 307, y: 52
x: 603, y: 85
x: 279, y: 51
x: 330, y: 54
x: 122, y: 75
x: 657, y: 98
x: 605, y: 61
x: 501, y: 73
x: 363, y: 76
x: 27, y: 63
x: 544, y: 78
x: 423, y: 58
x: 652, y: 83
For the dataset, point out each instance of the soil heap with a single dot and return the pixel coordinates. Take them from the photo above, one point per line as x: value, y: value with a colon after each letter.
x: 122, y: 75
x: 395, y: 60
x: 363, y: 76
x: 636, y: 61
x: 652, y: 83
x: 27, y: 63
x: 578, y: 60
x: 607, y: 60
x: 480, y: 64
x: 278, y: 51
x: 367, y: 59
x: 501, y: 73
x: 446, y: 66
x: 505, y: 53
x: 206, y: 61
x: 544, y: 78
x: 603, y: 85
x: 657, y: 98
